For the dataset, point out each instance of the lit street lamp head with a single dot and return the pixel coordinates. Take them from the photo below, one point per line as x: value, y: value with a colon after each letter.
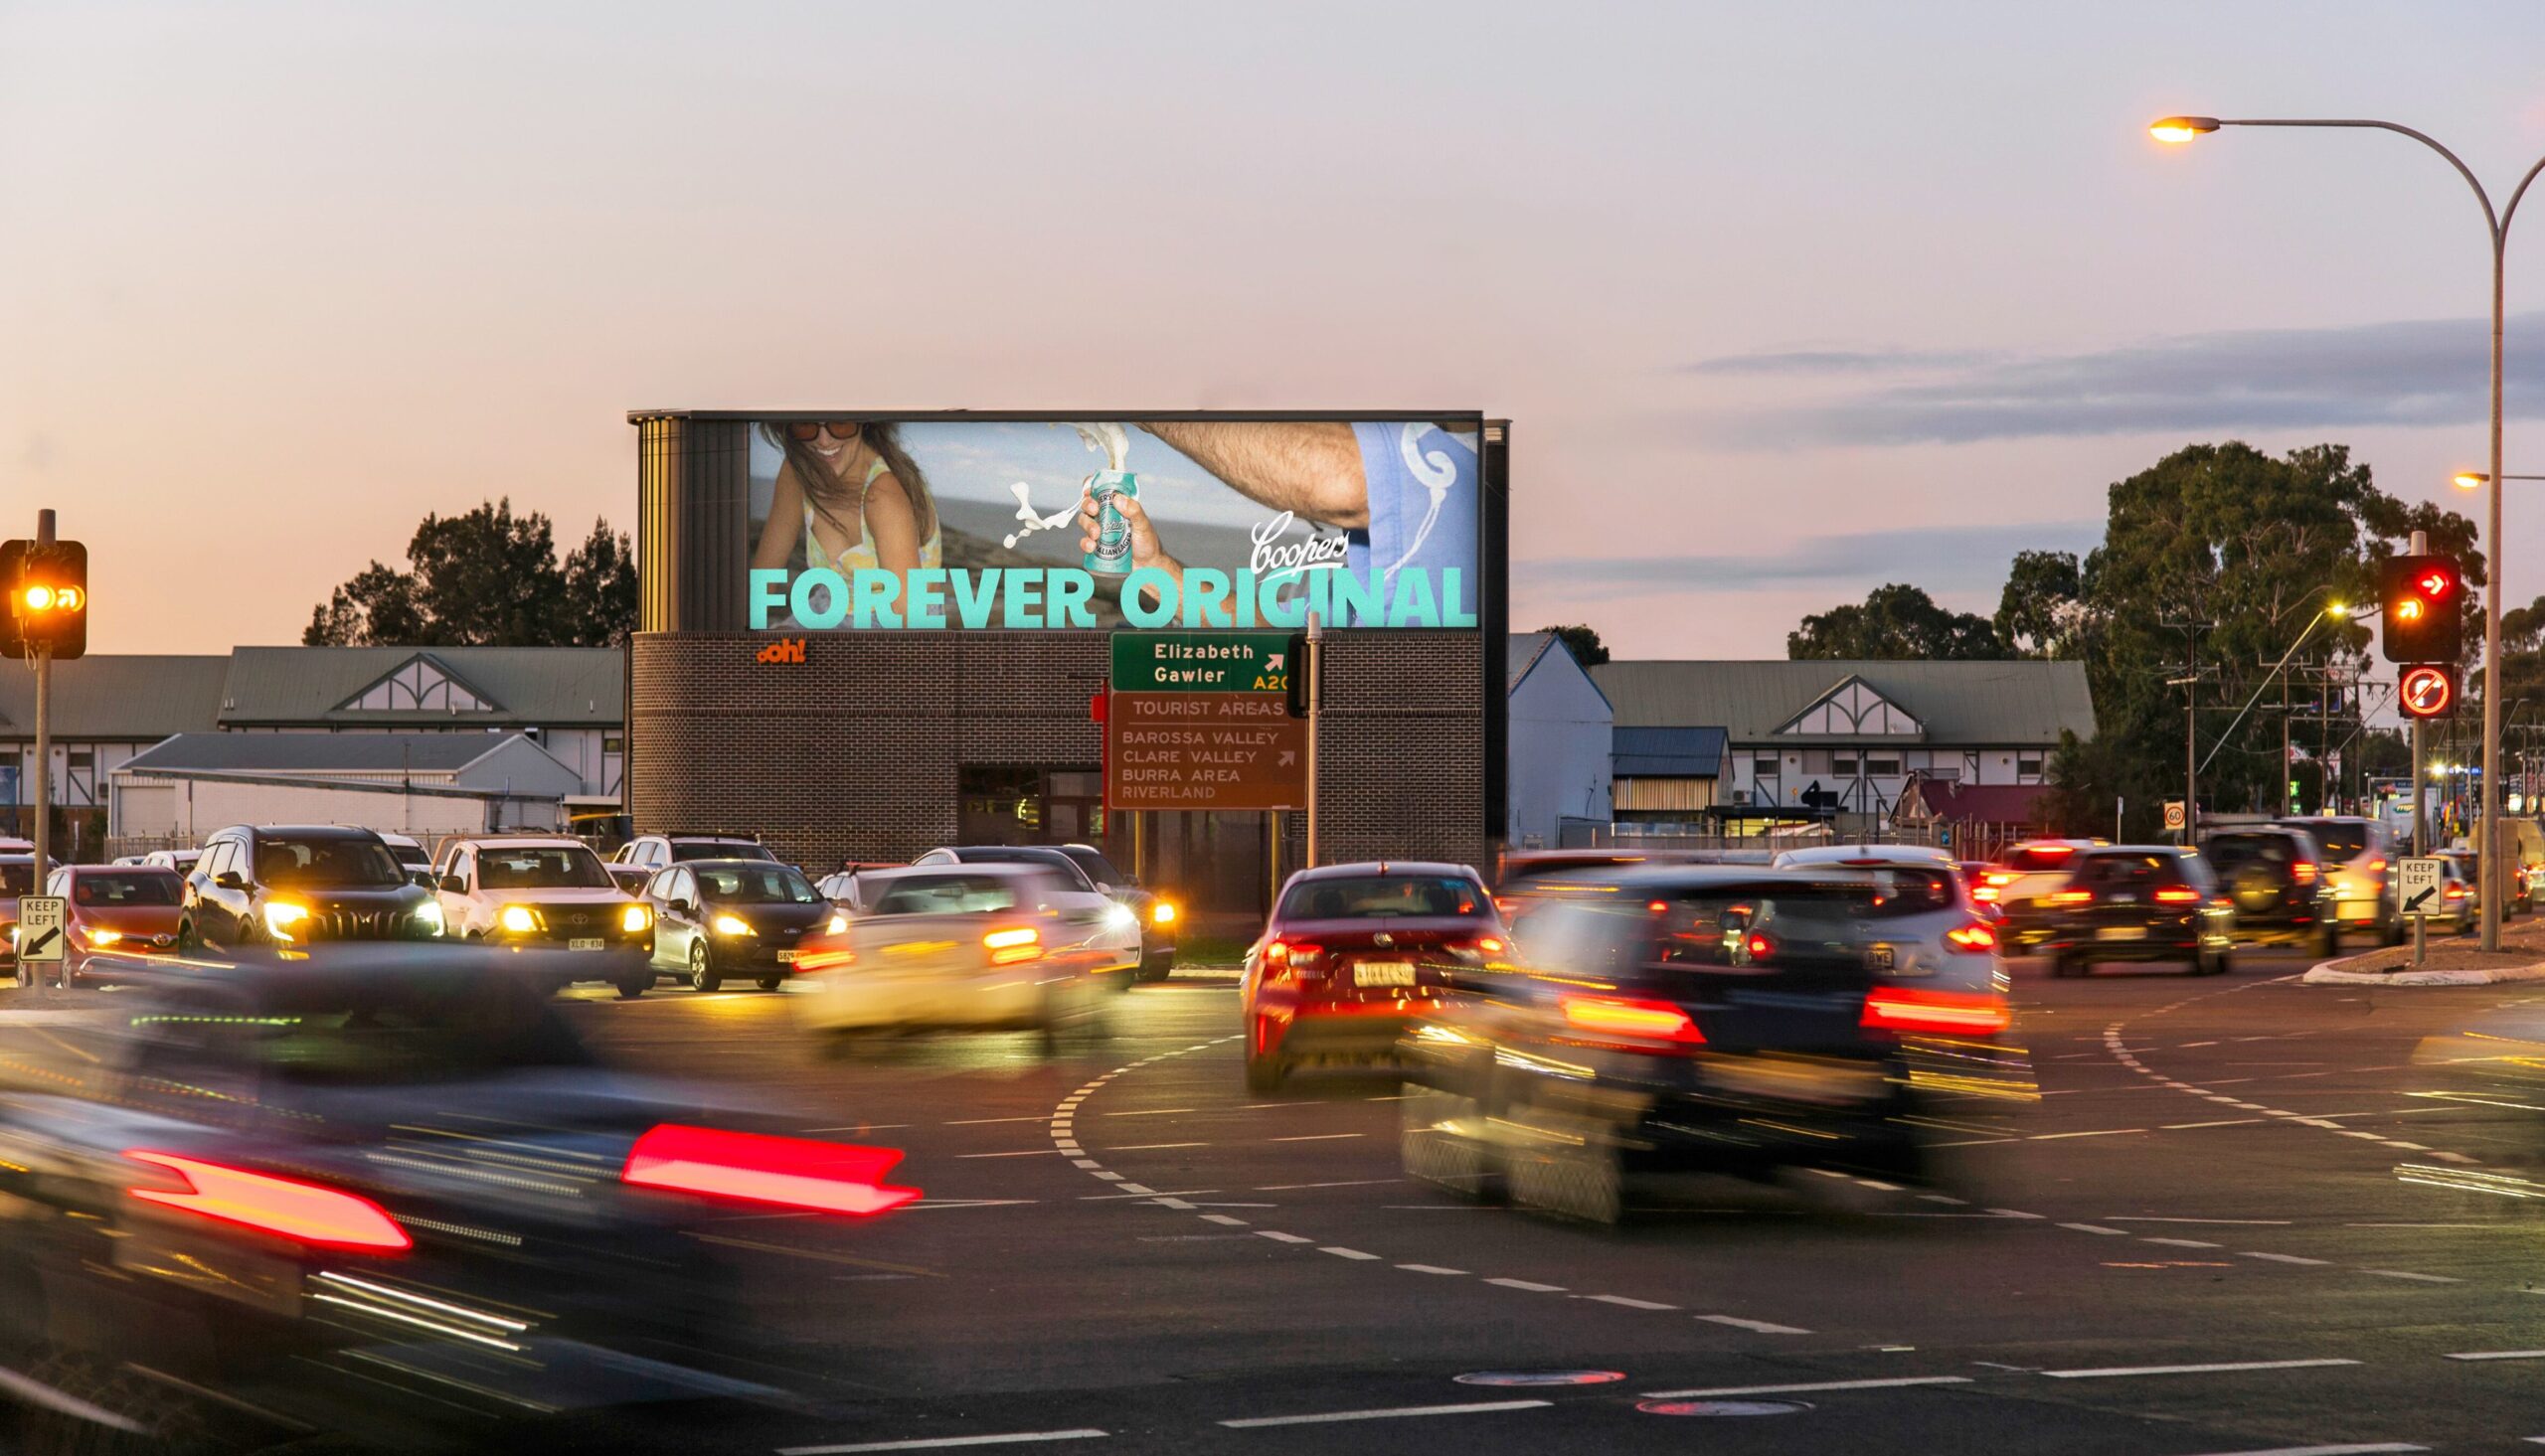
x: 2470, y: 479
x: 2180, y: 130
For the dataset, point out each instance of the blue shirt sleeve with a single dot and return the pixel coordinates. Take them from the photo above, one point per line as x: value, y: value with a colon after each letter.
x: 1423, y: 499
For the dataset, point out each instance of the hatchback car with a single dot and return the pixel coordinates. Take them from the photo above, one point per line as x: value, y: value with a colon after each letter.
x: 1148, y: 946
x: 1351, y: 954
x: 2358, y: 855
x: 714, y: 919
x: 2274, y: 874
x: 2026, y: 876
x: 1920, y: 920
x: 114, y: 915
x: 2140, y: 904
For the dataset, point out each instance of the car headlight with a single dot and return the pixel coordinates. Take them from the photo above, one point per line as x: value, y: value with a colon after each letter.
x: 732, y: 925
x: 838, y: 923
x: 1162, y: 912
x: 635, y: 919
x: 517, y: 919
x: 1119, y: 918
x: 428, y: 915
x: 103, y: 937
x: 13, y: 935
x: 281, y: 916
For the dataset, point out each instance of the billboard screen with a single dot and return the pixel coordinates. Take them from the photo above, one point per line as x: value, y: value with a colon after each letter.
x: 861, y: 522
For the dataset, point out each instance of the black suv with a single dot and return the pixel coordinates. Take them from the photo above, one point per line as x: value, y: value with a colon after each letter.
x: 2140, y: 903
x: 2276, y: 876
x: 291, y: 885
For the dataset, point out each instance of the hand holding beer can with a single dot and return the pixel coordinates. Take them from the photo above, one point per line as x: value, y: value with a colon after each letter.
x: 1112, y: 554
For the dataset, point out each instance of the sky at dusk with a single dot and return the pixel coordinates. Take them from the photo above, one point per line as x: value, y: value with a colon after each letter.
x: 1783, y: 302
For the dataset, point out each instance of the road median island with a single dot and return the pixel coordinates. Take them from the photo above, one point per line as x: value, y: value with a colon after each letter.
x: 2451, y: 962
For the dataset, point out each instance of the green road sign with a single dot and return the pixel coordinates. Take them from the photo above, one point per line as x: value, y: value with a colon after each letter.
x: 1201, y: 662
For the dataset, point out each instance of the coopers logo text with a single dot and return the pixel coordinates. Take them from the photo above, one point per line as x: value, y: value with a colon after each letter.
x: 785, y: 650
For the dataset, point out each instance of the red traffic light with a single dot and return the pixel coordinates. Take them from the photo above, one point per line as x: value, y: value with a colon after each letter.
x: 2435, y: 583
x: 2423, y: 619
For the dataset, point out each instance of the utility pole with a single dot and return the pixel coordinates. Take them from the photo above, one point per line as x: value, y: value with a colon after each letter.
x: 43, y: 653
x: 1315, y: 668
x: 2190, y: 684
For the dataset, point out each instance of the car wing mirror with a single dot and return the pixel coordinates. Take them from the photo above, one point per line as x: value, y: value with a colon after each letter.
x: 229, y: 879
x: 454, y: 885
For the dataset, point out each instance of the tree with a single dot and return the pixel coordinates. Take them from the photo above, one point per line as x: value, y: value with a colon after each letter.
x: 1582, y: 642
x: 486, y: 578
x: 1894, y: 622
x: 2042, y: 611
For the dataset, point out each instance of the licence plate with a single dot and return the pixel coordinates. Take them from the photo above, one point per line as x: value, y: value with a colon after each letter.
x: 1879, y: 958
x: 587, y: 942
x: 787, y: 957
x: 2122, y: 932
x: 1382, y: 973
x: 2358, y: 909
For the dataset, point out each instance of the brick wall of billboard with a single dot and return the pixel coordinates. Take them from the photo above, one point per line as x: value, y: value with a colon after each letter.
x: 854, y: 751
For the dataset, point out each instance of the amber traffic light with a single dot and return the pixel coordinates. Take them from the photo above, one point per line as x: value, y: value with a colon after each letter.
x: 48, y: 595
x: 2423, y: 609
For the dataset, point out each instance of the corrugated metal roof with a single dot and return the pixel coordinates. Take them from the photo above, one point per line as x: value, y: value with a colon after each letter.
x: 1667, y: 752
x: 2021, y: 701
x: 529, y: 684
x: 444, y: 752
x: 1520, y: 653
x: 130, y: 698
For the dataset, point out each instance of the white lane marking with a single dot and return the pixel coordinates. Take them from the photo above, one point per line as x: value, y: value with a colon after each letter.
x: 1760, y: 1326
x: 866, y: 1126
x: 1340, y: 1252
x: 1620, y: 1299
x: 1530, y: 1285
x: 2180, y: 1242
x: 2109, y: 1132
x: 2424, y: 1278
x: 1224, y: 1219
x: 1478, y: 1408
x: 1278, y: 1237
x: 2230, y: 1122
x: 2096, y: 1229
x: 1083, y: 1161
x: 1347, y: 1183
x: 2013, y: 1214
x: 939, y: 1443
x: 1936, y: 1197
x: 2280, y: 1258
x: 1316, y: 1137
x: 1896, y: 1383
x: 1153, y: 1146
x: 1134, y: 1188
x: 1390, y: 1098
x: 2499, y: 1355
x: 1028, y: 1153
x: 1150, y: 1112
x: 1176, y: 1203
x: 2223, y: 1222
x: 1107, y: 1175
x: 2377, y: 1449
x: 2124, y: 1371
x: 1429, y: 1270
x: 984, y: 1121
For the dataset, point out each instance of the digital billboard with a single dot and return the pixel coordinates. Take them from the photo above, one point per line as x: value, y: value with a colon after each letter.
x: 859, y: 523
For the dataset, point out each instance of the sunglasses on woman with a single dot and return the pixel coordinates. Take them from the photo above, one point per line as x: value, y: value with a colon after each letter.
x: 811, y: 430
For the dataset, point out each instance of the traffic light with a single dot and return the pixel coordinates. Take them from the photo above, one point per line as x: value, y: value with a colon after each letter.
x: 2424, y: 616
x: 47, y: 587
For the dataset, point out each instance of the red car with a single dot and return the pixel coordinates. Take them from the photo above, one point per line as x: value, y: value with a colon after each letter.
x: 1352, y: 953
x: 117, y: 912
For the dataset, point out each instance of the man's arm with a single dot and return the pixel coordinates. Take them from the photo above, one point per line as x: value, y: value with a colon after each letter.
x: 1311, y: 468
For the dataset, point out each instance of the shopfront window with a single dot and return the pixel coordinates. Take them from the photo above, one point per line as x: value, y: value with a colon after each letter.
x: 1009, y: 805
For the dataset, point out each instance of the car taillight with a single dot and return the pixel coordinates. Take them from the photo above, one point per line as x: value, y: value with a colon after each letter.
x: 304, y: 1213
x: 2072, y: 896
x: 2303, y: 872
x: 2456, y: 892
x: 1007, y: 947
x: 1985, y: 895
x: 1298, y: 954
x: 1955, y: 1012
x: 1647, y: 1021
x: 821, y: 959
x: 2177, y: 896
x: 1760, y: 948
x: 1973, y: 937
x: 1998, y: 878
x: 755, y: 1168
x: 2377, y: 867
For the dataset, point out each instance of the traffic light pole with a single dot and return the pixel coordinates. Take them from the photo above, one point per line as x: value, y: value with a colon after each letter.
x: 44, y: 735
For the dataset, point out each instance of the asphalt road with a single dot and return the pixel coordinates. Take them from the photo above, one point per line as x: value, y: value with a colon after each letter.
x: 2240, y: 1218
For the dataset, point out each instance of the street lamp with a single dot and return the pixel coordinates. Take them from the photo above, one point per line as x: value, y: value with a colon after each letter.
x: 2179, y: 129
x: 2476, y: 479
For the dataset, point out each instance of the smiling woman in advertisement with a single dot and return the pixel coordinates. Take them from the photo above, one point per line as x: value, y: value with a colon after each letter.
x: 850, y: 497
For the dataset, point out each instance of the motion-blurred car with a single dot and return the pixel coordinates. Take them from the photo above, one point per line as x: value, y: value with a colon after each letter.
x: 114, y: 911
x: 1704, y: 1019
x: 720, y: 918
x: 552, y: 891
x: 2021, y: 885
x: 296, y: 884
x: 2460, y: 888
x: 2275, y: 874
x: 2356, y: 863
x: 1919, y: 919
x: 376, y: 1191
x: 964, y: 946
x: 2142, y: 904
x: 1161, y: 917
x: 1527, y: 879
x: 1354, y: 952
x: 17, y: 878
x: 1084, y: 902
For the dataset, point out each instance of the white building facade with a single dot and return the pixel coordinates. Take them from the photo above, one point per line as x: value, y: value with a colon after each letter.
x: 1559, y: 727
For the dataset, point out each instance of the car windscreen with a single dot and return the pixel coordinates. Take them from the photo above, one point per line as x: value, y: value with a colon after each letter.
x: 1377, y: 897
x: 686, y: 850
x: 1527, y: 869
x: 1056, y: 860
x: 1095, y: 865
x: 2234, y: 852
x: 118, y: 888
x: 1736, y: 926
x: 775, y: 884
x: 2125, y: 871
x: 2341, y: 841
x: 1907, y: 889
x: 950, y: 894
x: 18, y: 878
x: 328, y: 864
x: 548, y: 867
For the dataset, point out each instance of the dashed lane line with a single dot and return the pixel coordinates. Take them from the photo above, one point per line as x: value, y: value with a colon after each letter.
x: 2379, y: 1448
x: 1399, y: 1413
x: 2133, y: 1371
x: 1895, y: 1382
x: 942, y: 1443
x: 2497, y: 1354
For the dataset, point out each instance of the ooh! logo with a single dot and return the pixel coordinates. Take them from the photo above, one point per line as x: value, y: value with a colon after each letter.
x: 784, y: 650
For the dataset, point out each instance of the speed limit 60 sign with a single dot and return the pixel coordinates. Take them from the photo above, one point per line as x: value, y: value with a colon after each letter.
x: 2427, y: 690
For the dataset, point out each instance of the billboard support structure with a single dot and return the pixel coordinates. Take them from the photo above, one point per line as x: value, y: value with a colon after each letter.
x: 1317, y: 646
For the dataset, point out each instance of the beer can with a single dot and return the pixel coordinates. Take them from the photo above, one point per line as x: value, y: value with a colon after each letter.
x: 1112, y: 554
